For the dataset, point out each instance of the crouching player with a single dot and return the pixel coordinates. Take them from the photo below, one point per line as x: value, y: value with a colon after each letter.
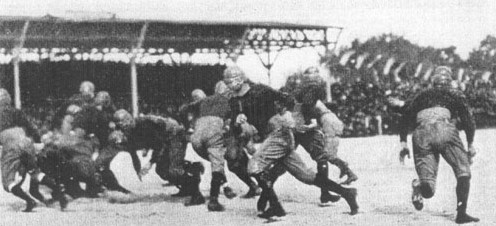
x: 116, y: 142
x: 208, y: 139
x: 18, y: 156
x: 166, y: 137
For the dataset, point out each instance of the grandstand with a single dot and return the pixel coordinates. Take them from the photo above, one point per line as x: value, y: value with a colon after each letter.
x: 43, y: 57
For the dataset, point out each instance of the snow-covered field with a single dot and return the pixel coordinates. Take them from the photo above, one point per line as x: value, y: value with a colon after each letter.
x: 384, y: 188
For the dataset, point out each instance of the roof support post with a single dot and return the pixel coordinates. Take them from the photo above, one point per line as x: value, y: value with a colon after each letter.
x: 134, y: 71
x: 241, y: 46
x: 328, y: 82
x: 269, y: 64
x: 16, y: 61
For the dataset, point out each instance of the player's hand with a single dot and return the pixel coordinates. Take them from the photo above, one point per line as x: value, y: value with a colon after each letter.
x: 304, y: 128
x: 241, y: 118
x: 144, y: 170
x: 395, y: 102
x: 39, y: 146
x: 404, y: 152
x: 471, y: 153
x: 112, y: 125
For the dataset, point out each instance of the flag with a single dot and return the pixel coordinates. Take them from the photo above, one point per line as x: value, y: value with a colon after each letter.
x: 375, y: 75
x: 428, y: 73
x: 388, y: 65
x: 486, y: 75
x: 360, y: 59
x: 460, y: 74
x: 377, y: 58
x: 418, y: 70
x: 345, y: 57
x: 397, y: 72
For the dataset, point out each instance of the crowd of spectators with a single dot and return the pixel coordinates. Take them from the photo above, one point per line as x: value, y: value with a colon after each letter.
x: 361, y: 105
x: 162, y: 88
x: 358, y: 100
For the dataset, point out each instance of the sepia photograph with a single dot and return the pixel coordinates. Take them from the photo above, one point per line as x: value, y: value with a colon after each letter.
x: 247, y: 112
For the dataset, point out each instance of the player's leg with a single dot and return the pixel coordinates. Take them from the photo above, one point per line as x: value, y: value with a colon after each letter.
x: 331, y: 132
x: 198, y: 141
x: 273, y: 149
x: 325, y: 195
x: 216, y: 157
x: 72, y: 187
x: 187, y: 175
x: 426, y: 165
x: 34, y: 190
x: 30, y: 203
x: 190, y: 179
x: 297, y: 167
x: 457, y: 158
x: 313, y: 142
x: 268, y: 193
x: 217, y: 180
x: 57, y: 190
x: 83, y: 169
x: 12, y: 183
x: 110, y: 181
x: 331, y: 145
x: 237, y: 162
x: 273, y: 173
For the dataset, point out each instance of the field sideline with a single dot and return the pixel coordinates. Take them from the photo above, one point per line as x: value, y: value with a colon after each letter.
x: 384, y: 188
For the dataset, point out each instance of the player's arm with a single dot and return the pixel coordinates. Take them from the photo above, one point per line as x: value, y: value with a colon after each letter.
x: 312, y: 125
x: 156, y: 156
x: 131, y: 148
x: 409, y: 111
x: 466, y: 118
x: 395, y: 104
x: 193, y: 107
x: 467, y: 122
x: 236, y: 115
x: 29, y: 127
x: 284, y: 98
x: 398, y: 105
x: 404, y: 129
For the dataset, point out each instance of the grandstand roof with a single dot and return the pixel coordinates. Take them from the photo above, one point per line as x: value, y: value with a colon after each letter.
x: 181, y: 36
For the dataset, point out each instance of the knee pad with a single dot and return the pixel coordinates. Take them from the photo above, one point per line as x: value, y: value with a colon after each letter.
x: 427, y: 190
